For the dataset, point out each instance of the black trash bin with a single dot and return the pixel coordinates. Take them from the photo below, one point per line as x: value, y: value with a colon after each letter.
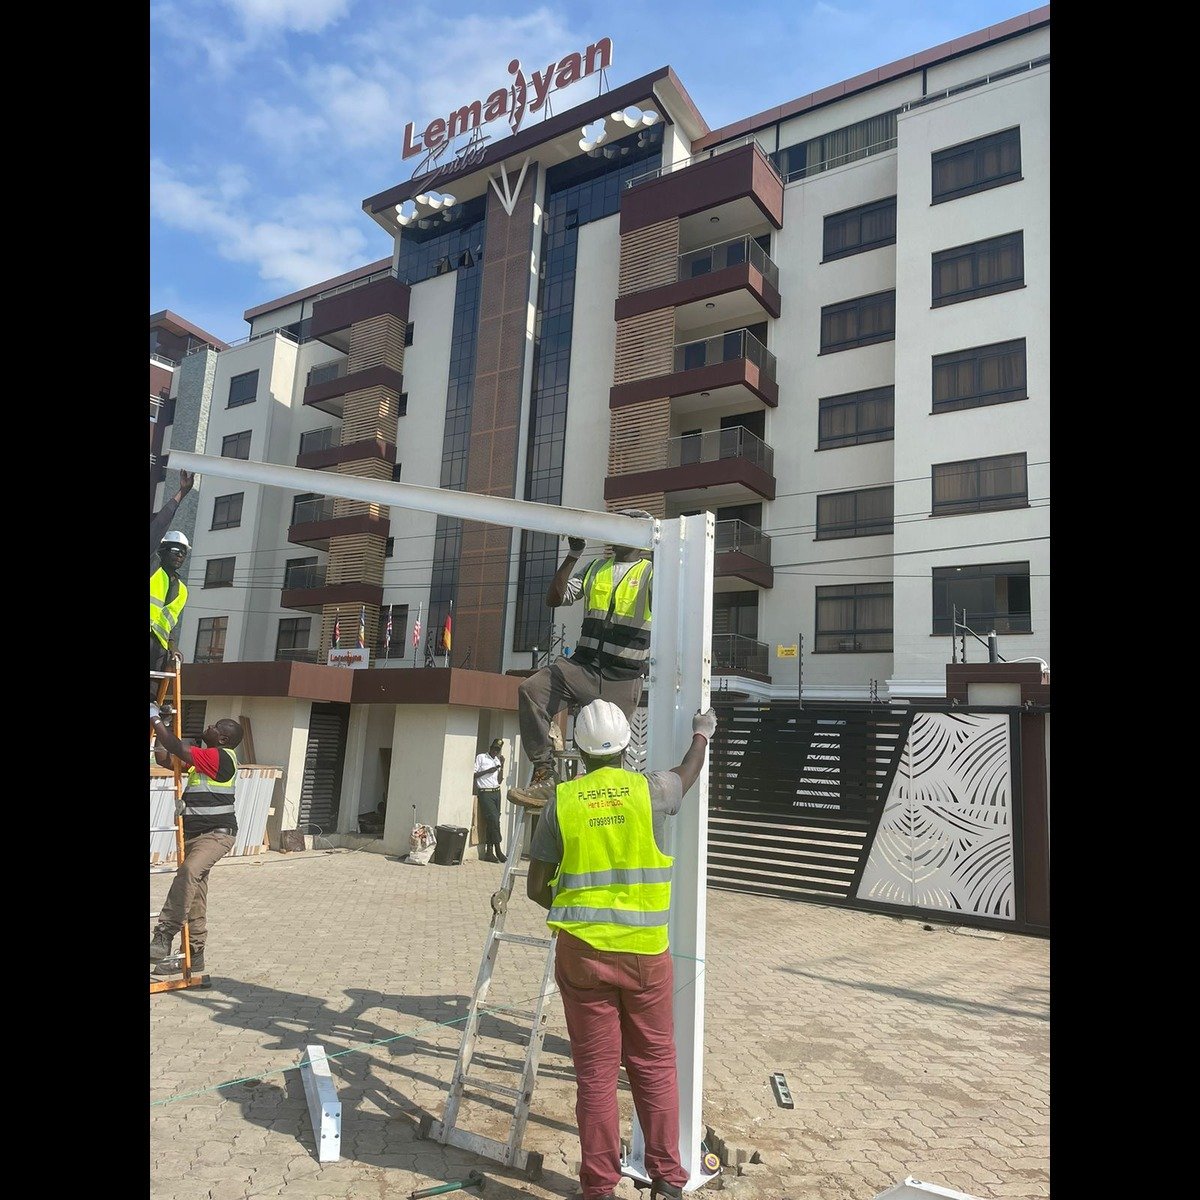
x: 451, y: 844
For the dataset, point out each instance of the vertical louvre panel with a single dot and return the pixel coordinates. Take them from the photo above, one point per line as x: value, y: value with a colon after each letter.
x: 638, y: 437
x: 377, y: 341
x: 321, y: 788
x: 371, y: 413
x: 645, y: 346
x: 649, y: 257
x: 361, y: 468
x: 655, y: 503
x: 349, y: 614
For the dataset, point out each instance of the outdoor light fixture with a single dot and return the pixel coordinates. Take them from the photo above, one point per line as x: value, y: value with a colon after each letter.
x: 710, y: 304
x: 713, y: 220
x: 405, y: 213
x: 635, y: 117
x: 593, y: 135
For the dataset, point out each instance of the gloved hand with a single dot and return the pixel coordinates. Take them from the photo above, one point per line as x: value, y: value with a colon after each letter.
x: 154, y: 711
x: 576, y: 545
x: 705, y: 723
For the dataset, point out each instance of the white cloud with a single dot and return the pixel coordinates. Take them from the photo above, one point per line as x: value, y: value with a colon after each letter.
x: 299, y: 16
x: 302, y: 239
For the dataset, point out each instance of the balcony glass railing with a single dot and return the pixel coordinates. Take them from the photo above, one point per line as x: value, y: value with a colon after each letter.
x: 310, y: 575
x: 684, y: 163
x: 739, y: 537
x: 318, y: 439
x: 733, y: 652
x: 325, y: 371
x: 716, y: 444
x: 708, y: 259
x: 294, y: 655
x: 320, y: 509
x: 724, y: 347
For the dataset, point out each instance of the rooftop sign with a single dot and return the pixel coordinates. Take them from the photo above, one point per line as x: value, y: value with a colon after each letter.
x: 524, y: 94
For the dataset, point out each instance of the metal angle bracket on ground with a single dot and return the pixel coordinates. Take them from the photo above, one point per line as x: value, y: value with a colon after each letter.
x: 324, y: 1108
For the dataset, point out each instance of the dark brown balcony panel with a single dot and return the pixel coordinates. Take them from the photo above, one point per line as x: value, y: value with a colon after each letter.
x: 355, y: 452
x: 309, y: 600
x: 335, y: 313
x: 300, y: 681
x: 329, y: 396
x: 314, y: 599
x: 687, y: 291
x: 745, y: 171
x: 691, y: 475
x: 699, y: 379
x: 735, y: 564
x: 430, y: 685
x: 317, y: 533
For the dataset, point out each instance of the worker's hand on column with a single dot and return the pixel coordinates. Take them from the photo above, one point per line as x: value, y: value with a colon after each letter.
x: 177, y: 658
x: 576, y: 545
x: 705, y: 723
x: 154, y: 712
x: 186, y: 479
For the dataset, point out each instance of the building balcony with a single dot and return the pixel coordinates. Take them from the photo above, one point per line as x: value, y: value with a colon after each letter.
x: 732, y: 367
x: 372, y: 296
x: 743, y: 552
x: 314, y: 523
x: 734, y: 282
x: 320, y: 448
x: 733, y: 654
x: 303, y: 587
x: 295, y: 655
x: 741, y: 183
x: 327, y: 390
x: 710, y: 469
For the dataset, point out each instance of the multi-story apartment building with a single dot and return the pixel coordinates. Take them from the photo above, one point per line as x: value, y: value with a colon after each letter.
x: 827, y: 323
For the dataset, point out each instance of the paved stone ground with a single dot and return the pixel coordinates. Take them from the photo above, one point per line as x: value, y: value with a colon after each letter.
x: 908, y: 1051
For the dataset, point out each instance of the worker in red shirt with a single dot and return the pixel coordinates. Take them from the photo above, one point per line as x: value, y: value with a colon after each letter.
x: 209, y: 830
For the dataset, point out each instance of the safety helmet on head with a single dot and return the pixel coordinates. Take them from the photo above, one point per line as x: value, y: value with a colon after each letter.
x: 601, y: 729
x: 175, y: 537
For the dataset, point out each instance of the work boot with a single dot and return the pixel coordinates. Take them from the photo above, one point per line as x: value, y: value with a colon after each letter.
x: 173, y: 967
x: 539, y: 789
x: 160, y: 943
x: 659, y: 1187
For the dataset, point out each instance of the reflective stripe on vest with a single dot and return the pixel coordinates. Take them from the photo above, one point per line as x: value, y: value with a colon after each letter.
x: 164, y: 617
x: 616, y: 624
x: 613, y: 887
x: 200, y: 788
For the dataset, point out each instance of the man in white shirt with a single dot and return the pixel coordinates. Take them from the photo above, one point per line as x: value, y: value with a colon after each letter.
x: 489, y: 769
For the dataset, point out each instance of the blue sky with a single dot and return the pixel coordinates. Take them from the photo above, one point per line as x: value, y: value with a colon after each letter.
x: 272, y: 120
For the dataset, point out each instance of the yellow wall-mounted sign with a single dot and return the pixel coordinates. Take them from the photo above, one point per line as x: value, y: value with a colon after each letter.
x: 786, y: 651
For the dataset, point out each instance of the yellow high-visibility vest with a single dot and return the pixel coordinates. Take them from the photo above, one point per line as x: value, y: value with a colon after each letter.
x: 164, y: 617
x: 615, y: 637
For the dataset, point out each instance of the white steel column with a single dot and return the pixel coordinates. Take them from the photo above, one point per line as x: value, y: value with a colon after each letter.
x: 680, y: 675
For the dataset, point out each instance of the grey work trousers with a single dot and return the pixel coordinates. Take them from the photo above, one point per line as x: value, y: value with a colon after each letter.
x: 544, y: 695
x: 188, y: 898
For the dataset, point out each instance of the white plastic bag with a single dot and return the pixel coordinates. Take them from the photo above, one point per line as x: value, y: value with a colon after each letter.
x: 421, y: 843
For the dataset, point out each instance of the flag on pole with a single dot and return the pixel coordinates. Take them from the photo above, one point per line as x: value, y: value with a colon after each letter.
x: 446, y: 631
x: 337, y: 629
x: 387, y: 635
x: 362, y: 627
x: 417, y: 628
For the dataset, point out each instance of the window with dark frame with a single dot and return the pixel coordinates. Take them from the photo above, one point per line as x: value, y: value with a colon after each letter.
x: 389, y: 547
x: 993, y: 595
x: 396, y: 648
x: 293, y: 635
x: 979, y: 269
x: 980, y: 485
x: 857, y: 230
x: 854, y: 618
x: 408, y: 333
x: 210, y: 640
x: 227, y: 511
x: 218, y: 572
x: 858, y: 322
x: 302, y: 573
x: 863, y: 513
x: 243, y: 389
x: 857, y: 417
x: 402, y: 405
x: 977, y: 165
x: 395, y: 472
x: 980, y: 376
x: 236, y: 445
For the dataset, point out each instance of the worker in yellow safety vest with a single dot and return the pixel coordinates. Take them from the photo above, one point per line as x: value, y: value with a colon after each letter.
x: 168, y: 595
x: 599, y: 868
x: 610, y: 657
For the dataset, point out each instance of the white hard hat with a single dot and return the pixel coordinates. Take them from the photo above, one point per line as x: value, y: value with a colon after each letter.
x: 601, y: 729
x: 175, y: 537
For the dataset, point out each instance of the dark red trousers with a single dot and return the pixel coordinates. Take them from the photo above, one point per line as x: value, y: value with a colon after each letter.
x: 618, y: 1009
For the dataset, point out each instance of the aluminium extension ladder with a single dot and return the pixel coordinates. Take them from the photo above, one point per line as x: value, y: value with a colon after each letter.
x: 172, y: 680
x: 447, y: 1130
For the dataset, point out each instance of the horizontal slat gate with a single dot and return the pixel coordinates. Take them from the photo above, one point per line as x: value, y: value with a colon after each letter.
x: 795, y: 796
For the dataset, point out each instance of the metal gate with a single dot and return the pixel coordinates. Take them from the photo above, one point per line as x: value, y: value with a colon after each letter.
x: 321, y: 790
x: 886, y: 809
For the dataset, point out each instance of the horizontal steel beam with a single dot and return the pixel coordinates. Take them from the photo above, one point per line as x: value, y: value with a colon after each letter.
x: 495, y: 510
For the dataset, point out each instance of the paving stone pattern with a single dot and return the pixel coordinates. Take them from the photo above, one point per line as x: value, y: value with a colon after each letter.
x: 908, y: 1050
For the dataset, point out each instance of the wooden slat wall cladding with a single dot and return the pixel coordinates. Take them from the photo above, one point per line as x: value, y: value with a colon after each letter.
x: 645, y: 346
x: 655, y: 504
x: 355, y: 558
x: 371, y: 413
x: 795, y: 796
x: 376, y: 341
x: 349, y: 627
x: 363, y: 468
x: 637, y: 439
x: 649, y: 257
